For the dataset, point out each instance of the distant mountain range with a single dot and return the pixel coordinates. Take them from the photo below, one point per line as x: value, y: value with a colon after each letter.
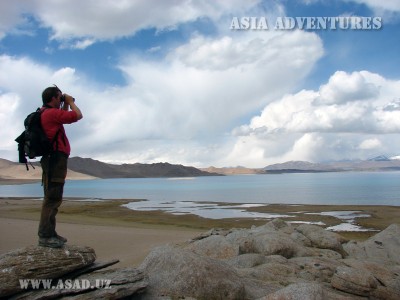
x: 379, y: 163
x: 87, y: 168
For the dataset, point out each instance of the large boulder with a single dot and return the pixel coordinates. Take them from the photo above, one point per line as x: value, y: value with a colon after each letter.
x: 180, y: 273
x: 298, y: 291
x: 273, y: 243
x: 321, y: 238
x: 247, y: 260
x: 215, y: 246
x: 353, y: 281
x: 315, y: 268
x: 384, y: 247
x: 388, y: 278
x: 36, y: 262
x: 108, y: 284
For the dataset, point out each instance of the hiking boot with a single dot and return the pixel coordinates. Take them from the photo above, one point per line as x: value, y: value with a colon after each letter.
x: 52, y: 242
x: 61, y: 238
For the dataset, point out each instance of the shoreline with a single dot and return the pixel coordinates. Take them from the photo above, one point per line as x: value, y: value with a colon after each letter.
x: 116, y: 232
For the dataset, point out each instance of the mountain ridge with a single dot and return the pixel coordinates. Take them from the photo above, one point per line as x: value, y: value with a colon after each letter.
x: 88, y: 168
x: 137, y: 170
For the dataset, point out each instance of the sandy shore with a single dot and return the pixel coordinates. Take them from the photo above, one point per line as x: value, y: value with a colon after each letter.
x: 116, y: 232
x: 129, y: 245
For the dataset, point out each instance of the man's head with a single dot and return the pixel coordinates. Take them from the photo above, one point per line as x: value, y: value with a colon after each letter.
x: 51, y: 95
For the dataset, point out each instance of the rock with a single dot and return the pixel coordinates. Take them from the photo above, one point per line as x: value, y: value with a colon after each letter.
x: 109, y: 284
x: 315, y: 268
x: 124, y: 283
x: 384, y: 247
x: 273, y: 243
x: 273, y: 261
x: 215, y: 246
x: 323, y: 239
x: 274, y: 225
x: 277, y: 273
x: 247, y: 260
x: 36, y: 262
x: 327, y: 253
x: 353, y: 281
x: 388, y: 280
x: 309, y: 291
x: 213, y: 231
x: 299, y: 291
x: 301, y: 238
x: 181, y: 273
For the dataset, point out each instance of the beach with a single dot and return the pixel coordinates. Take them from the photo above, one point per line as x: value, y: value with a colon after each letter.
x: 115, y: 232
x: 129, y: 245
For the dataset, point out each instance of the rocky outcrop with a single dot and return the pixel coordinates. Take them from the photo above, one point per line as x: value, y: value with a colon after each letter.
x: 273, y: 261
x: 276, y: 261
x: 47, y: 273
x: 382, y: 247
x: 39, y: 263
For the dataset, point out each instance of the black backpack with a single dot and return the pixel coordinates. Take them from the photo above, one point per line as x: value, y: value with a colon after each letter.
x: 33, y: 142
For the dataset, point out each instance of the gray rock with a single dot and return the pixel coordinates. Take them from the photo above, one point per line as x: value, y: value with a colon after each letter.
x: 388, y: 279
x: 277, y: 273
x: 309, y: 291
x: 299, y: 291
x: 384, y: 247
x: 215, y: 246
x: 316, y: 268
x: 40, y: 263
x: 301, y: 239
x: 179, y: 273
x: 353, y: 281
x: 272, y: 243
x: 247, y: 260
x: 112, y: 284
x: 271, y: 226
x: 323, y: 239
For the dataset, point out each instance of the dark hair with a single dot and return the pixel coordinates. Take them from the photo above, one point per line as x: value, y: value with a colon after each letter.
x: 49, y: 93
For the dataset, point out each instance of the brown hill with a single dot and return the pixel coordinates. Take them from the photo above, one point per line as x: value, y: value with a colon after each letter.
x: 15, y: 171
x: 233, y: 170
x: 104, y: 170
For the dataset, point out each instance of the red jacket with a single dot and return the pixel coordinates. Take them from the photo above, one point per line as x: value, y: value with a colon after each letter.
x: 52, y: 120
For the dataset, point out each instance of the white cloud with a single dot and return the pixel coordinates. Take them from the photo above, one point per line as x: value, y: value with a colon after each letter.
x: 108, y: 20
x: 302, y: 127
x: 183, y: 102
x: 370, y: 144
x: 180, y: 108
x: 381, y: 6
x: 343, y: 88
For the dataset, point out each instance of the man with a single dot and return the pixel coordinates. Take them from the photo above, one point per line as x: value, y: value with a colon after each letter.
x: 58, y: 109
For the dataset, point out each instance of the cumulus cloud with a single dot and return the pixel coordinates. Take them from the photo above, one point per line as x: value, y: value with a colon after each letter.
x: 181, y: 108
x: 300, y: 126
x: 184, y: 101
x: 343, y: 88
x: 90, y: 20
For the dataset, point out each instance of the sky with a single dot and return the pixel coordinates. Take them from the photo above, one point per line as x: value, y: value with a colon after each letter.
x: 208, y: 83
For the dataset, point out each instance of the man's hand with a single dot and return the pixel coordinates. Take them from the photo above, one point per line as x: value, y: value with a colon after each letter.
x: 69, y: 99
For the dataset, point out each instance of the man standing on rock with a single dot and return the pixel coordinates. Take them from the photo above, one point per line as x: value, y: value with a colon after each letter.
x: 58, y: 109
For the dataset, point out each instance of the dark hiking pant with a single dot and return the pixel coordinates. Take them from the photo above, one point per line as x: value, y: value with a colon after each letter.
x: 54, y: 169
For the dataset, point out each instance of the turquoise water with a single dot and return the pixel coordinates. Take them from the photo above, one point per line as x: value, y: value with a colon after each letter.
x: 363, y: 188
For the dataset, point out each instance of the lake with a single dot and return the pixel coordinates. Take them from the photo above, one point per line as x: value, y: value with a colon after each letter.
x: 362, y: 188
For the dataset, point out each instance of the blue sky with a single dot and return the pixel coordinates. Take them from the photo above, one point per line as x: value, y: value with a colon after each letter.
x: 171, y: 82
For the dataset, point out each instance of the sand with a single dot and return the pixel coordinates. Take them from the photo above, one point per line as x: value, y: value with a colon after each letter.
x: 129, y: 245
